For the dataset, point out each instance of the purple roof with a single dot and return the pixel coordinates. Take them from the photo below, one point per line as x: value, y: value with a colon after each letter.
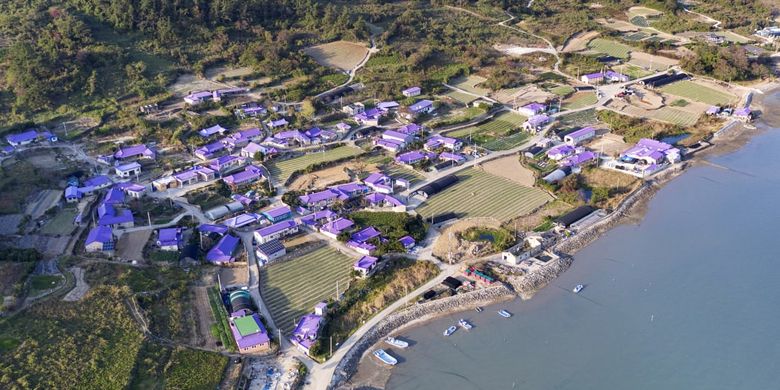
x: 582, y: 132
x: 278, y: 123
x: 411, y: 157
x: 311, y: 219
x: 421, y: 105
x: 276, y: 228
x: 218, y: 162
x: 615, y: 75
x: 361, y: 245
x: 365, y: 262
x: 133, y: 151
x: 210, y: 228
x: 373, y: 113
x: 365, y: 234
x: 254, y: 110
x: 377, y: 198
x: 101, y: 234
x: 314, y: 132
x: 451, y: 156
x: 538, y: 120
x: 376, y: 179
x: 169, y: 236
x: 390, y: 144
x: 242, y: 220
x: 249, y: 174
x: 560, y: 150
x: 438, y: 140
x: 199, y: 95
x: 646, y: 147
x: 114, y: 196
x: 411, y: 90
x: 337, y: 226
x: 72, y: 192
x: 97, y: 181
x: 26, y: 136
x: 277, y: 212
x: 305, y: 333
x: 223, y: 251
x: 593, y: 76
x: 411, y: 128
x: 387, y: 105
x: 259, y: 337
x: 713, y: 110
x: 343, y: 126
x: 745, y: 111
x: 351, y: 188
x: 395, y: 135
x: 192, y: 173
x: 108, y: 215
x: 320, y: 196
x: 211, y: 148
x: 535, y: 107
x: 407, y: 241
x: 209, y: 131
x: 580, y: 158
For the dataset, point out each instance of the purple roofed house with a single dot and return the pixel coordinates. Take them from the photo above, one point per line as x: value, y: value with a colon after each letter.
x: 532, y: 109
x: 576, y: 137
x: 226, y: 163
x: 411, y: 91
x: 379, y: 183
x: 169, y: 239
x: 385, y: 201
x: 369, y: 117
x: 593, y: 78
x: 365, y: 265
x: 23, y: 138
x: 242, y: 220
x: 251, y: 149
x: 290, y: 138
x: 194, y: 175
x: 615, y: 77
x: 208, y: 151
x: 250, y: 334
x: 388, y: 106
x: 579, y: 159
x: 316, y: 217
x: 536, y: 122
x: 333, y: 228
x: 108, y: 215
x: 351, y: 190
x: 412, y: 129
x: 222, y: 253
x: 276, y: 231
x: 392, y: 135
x: 99, y: 239
x: 424, y: 106
x: 135, y: 151
x: 209, y: 131
x: 72, y: 194
x: 250, y: 174
x: 306, y: 332
x: 438, y: 141
x: 341, y: 126
x: 407, y: 241
x: 410, y: 158
x: 252, y: 111
x: 364, y: 248
x: 98, y: 182
x: 199, y: 97
x: 277, y: 214
x: 275, y: 124
x: 114, y: 196
x: 365, y: 234
x: 744, y: 114
x: 454, y: 157
x: 390, y: 145
x: 211, y: 228
x: 7, y: 149
x: 320, y: 198
x: 714, y: 110
x: 560, y: 152
x: 648, y: 154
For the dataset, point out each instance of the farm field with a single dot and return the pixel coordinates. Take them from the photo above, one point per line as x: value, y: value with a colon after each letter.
x: 633, y: 71
x: 469, y: 84
x: 732, y: 37
x: 61, y: 224
x: 609, y: 47
x: 494, y: 133
x: 480, y: 194
x: 562, y: 90
x: 698, y: 92
x: 675, y: 116
x: 579, y: 100
x: 341, y: 55
x: 292, y: 288
x: 283, y: 169
x: 386, y: 165
x: 460, y: 96
x: 651, y: 62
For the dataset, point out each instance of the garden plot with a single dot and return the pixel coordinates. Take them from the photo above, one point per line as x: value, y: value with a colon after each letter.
x: 700, y: 93
x: 341, y: 55
x: 460, y: 96
x: 281, y: 170
x: 651, y: 62
x: 61, y: 224
x: 580, y: 100
x: 579, y: 41
x: 480, y: 194
x: 609, y: 47
x: 469, y: 84
x: 496, y: 134
x: 291, y: 288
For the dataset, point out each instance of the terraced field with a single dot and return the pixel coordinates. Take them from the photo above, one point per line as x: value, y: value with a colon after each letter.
x: 281, y: 170
x: 480, y: 194
x: 698, y: 92
x: 493, y: 134
x: 386, y: 165
x: 609, y: 47
x: 292, y: 288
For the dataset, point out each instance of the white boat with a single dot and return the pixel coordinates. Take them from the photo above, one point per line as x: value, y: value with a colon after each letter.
x: 465, y: 324
x: 396, y: 342
x: 450, y: 330
x: 385, y: 357
x: 577, y: 288
x: 504, y: 313
x: 478, y: 309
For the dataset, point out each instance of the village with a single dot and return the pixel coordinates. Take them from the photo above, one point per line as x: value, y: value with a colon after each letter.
x: 295, y: 230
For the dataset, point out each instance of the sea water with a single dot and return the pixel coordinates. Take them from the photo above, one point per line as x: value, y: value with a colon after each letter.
x: 687, y: 299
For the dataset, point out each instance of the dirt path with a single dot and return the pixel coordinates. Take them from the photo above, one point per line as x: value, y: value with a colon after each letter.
x: 579, y: 41
x: 204, y: 316
x: 81, y: 287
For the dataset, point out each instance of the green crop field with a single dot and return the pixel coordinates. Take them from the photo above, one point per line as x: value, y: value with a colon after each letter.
x: 612, y: 48
x: 632, y: 71
x: 460, y: 96
x: 283, y: 169
x: 469, y: 84
x: 387, y: 167
x: 700, y: 93
x: 579, y: 100
x: 292, y: 288
x: 494, y: 134
x: 675, y: 116
x: 480, y: 194
x: 561, y: 90
x: 61, y: 224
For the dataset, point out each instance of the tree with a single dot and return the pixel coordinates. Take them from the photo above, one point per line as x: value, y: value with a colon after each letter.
x: 599, y: 195
x: 223, y: 189
x: 259, y: 156
x: 308, y: 109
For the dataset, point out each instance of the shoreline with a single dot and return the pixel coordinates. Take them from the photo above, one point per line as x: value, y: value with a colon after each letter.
x: 632, y: 209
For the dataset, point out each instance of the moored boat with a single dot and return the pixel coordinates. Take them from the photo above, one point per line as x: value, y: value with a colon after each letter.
x: 385, y: 357
x: 478, y: 309
x: 504, y: 313
x: 465, y: 324
x: 450, y: 330
x: 396, y: 342
x: 577, y: 288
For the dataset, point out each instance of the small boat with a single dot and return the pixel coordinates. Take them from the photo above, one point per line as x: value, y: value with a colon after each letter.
x: 396, y: 342
x: 504, y: 313
x: 450, y: 330
x: 577, y: 288
x: 478, y: 309
x: 465, y: 324
x: 385, y: 357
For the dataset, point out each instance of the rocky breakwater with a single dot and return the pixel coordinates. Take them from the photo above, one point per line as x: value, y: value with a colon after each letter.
x: 527, y: 285
x: 412, y: 316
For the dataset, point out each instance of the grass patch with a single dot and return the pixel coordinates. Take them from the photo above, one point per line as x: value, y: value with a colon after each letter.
x: 610, y: 47
x: 580, y: 100
x: 562, y: 90
x: 480, y: 194
x: 282, y: 170
x: 679, y: 103
x: 700, y: 93
x: 61, y: 224
x: 40, y: 283
x: 221, y: 329
x: 193, y: 369
x: 500, y: 133
x: 500, y: 239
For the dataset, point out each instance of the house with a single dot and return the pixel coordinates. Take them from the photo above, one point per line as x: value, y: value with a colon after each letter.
x: 208, y: 151
x: 570, y: 218
x: 454, y: 157
x: 244, y: 200
x: 390, y: 145
x: 380, y: 200
x: 250, y: 334
x: 744, y: 114
x: 579, y: 159
x: 277, y: 214
x: 132, y: 190
x: 714, y: 110
x: 242, y: 220
x: 411, y: 158
x: 276, y: 124
x: 578, y: 136
x: 169, y: 239
x: 593, y: 78
x: 318, y: 217
x: 366, y: 234
x: 226, y: 163
x: 536, y: 123
x: 365, y: 266
x: 388, y: 106
x: 424, y: 106
x: 438, y: 141
x: 354, y: 108
x: 651, y: 151
x: 251, y: 149
x: 249, y: 175
x: 99, y: 239
x: 771, y: 33
x: 194, y: 175
x: 218, y: 94
x: 135, y: 151
x: 270, y: 250
x: 359, y: 241
x: 24, y: 138
x: 333, y: 228
x: 319, y: 199
x: 290, y: 138
x: 223, y: 251
x: 319, y: 135
x: 342, y: 127
x: 532, y: 245
x: 379, y: 183
x: 276, y: 231
x: 396, y: 136
x: 560, y: 152
x: 369, y: 117
x: 114, y: 196
x: 615, y: 77
x: 407, y: 242
x: 208, y: 229
x: 108, y: 215
x: 251, y: 112
x: 412, y: 91
x: 72, y: 194
x: 98, y: 182
x: 7, y: 150
x: 197, y: 98
x: 411, y: 129
x: 532, y: 109
x: 306, y: 332
x: 210, y: 131
x: 351, y: 190
x: 128, y: 170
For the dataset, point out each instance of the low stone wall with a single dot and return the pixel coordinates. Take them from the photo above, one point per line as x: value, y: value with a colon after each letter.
x: 527, y: 285
x: 413, y: 315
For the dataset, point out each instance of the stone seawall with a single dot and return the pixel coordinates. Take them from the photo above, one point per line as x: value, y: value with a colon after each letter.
x: 413, y: 316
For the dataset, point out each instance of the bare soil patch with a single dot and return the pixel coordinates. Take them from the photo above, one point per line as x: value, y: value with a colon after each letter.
x: 49, y: 246
x: 233, y: 276
x: 579, y: 41
x: 509, y: 167
x: 81, y: 287
x: 204, y: 317
x: 618, y: 25
x: 341, y: 55
x: 42, y: 201
x: 649, y: 61
x: 131, y: 245
x: 448, y: 246
x: 189, y: 83
x: 609, y: 144
x: 329, y: 176
x: 523, y: 95
x: 530, y: 221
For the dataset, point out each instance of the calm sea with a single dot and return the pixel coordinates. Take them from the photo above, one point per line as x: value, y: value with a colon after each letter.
x: 688, y: 299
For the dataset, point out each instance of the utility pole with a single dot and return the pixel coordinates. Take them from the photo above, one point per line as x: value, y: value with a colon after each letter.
x: 149, y: 218
x: 280, y: 338
x: 331, y: 346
